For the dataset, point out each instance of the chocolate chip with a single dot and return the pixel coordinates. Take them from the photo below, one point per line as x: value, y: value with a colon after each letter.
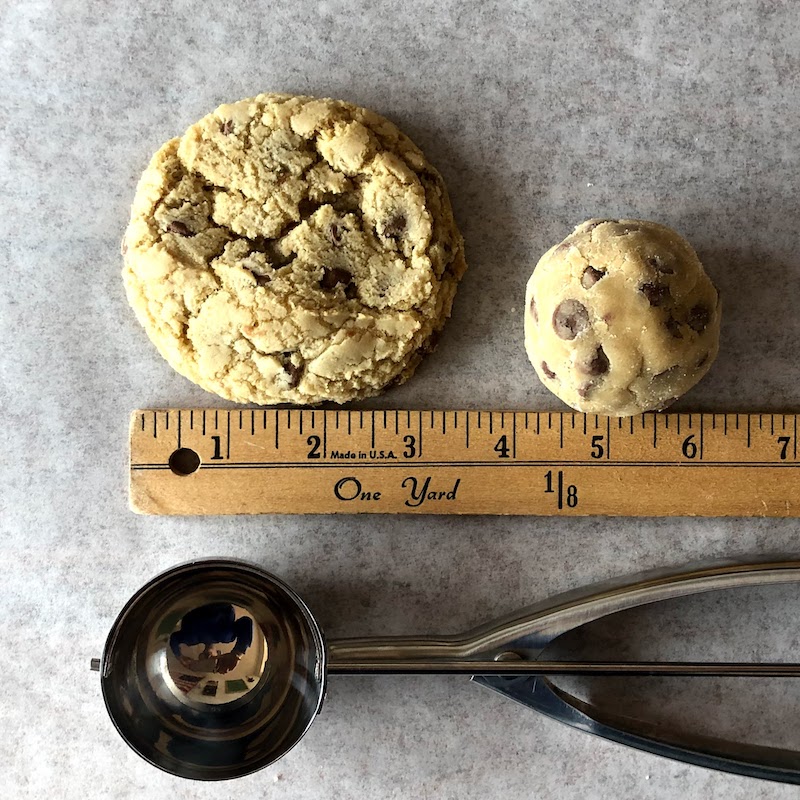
x: 597, y: 365
x: 591, y: 276
x: 674, y: 327
x: 335, y: 233
x: 394, y: 227
x: 534, y: 312
x: 585, y: 389
x: 331, y: 278
x: 295, y: 373
x: 659, y: 265
x: 262, y: 280
x: 547, y: 371
x: 306, y: 208
x: 570, y: 318
x: 179, y: 228
x: 227, y: 127
x: 207, y: 187
x: 699, y: 317
x: 656, y: 293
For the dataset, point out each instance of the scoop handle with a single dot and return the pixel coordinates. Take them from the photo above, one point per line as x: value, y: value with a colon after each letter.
x: 524, y: 635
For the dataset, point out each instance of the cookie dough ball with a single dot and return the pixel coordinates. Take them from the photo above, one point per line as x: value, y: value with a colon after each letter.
x: 292, y: 250
x: 621, y: 318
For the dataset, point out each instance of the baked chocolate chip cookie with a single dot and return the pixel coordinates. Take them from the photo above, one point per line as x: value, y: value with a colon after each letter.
x: 621, y: 317
x: 292, y: 250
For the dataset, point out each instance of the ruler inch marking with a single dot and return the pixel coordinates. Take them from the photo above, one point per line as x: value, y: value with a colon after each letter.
x: 179, y: 429
x: 514, y: 435
x: 229, y: 437
x: 702, y: 438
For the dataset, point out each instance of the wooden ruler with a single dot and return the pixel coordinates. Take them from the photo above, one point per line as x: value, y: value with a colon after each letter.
x: 291, y: 461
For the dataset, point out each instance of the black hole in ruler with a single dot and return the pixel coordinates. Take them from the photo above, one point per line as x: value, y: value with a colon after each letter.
x: 184, y: 461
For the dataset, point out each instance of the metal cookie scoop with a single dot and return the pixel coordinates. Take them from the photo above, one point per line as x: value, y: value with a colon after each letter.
x: 216, y: 668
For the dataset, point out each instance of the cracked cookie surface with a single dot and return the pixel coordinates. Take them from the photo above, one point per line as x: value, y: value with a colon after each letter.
x: 290, y: 249
x: 621, y: 317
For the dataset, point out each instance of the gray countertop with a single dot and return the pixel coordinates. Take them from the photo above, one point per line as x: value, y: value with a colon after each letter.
x: 539, y: 115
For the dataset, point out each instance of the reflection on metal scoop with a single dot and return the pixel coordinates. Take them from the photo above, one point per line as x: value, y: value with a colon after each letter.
x: 216, y: 668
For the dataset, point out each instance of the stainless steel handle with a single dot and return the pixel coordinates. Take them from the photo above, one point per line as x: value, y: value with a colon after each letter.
x: 649, y: 669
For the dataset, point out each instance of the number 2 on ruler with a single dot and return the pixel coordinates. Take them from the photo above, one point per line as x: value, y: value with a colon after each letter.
x: 571, y: 497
